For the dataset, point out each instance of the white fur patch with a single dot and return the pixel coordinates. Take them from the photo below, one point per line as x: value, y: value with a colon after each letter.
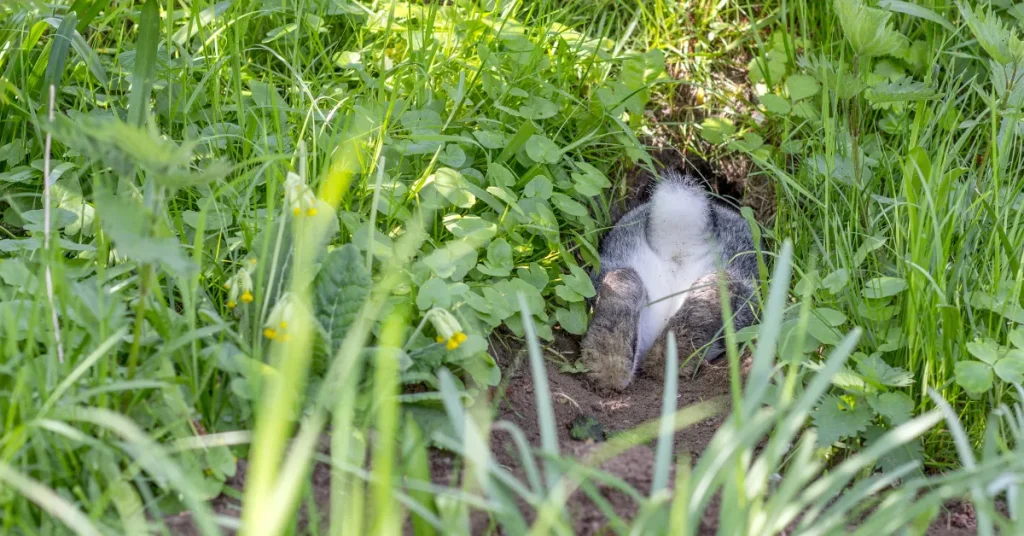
x: 678, y: 254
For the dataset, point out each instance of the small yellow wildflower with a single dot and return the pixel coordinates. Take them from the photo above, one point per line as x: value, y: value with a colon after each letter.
x: 299, y: 196
x: 439, y: 339
x: 246, y: 297
x: 277, y: 320
x: 451, y: 344
x: 459, y: 337
x: 231, y: 304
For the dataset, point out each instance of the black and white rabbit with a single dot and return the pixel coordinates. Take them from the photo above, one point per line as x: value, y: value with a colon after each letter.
x: 658, y: 273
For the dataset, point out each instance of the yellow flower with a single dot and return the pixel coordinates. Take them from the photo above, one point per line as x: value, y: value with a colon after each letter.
x: 299, y: 196
x: 439, y: 339
x: 270, y: 333
x: 240, y: 285
x: 459, y: 337
x: 277, y: 320
x: 452, y: 344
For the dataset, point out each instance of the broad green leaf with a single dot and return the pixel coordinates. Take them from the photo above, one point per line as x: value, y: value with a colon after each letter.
x: 897, y: 407
x: 539, y: 187
x: 883, y: 287
x: 1011, y: 368
x: 868, y: 29
x: 835, y: 420
x: 452, y: 156
x: 874, y: 369
x: 716, y: 129
x: 915, y: 10
x: 836, y: 281
x: 127, y: 224
x: 801, y: 86
x: 579, y: 281
x: 433, y: 293
x: 821, y: 331
x: 490, y: 139
x: 830, y: 316
x: 499, y: 259
x: 901, y: 90
x: 341, y: 288
x: 538, y: 108
x: 1016, y: 337
x: 999, y: 40
x: 1003, y: 307
x: 774, y: 104
x: 986, y: 350
x: 568, y: 205
x: 975, y: 377
x: 542, y: 150
x: 451, y: 185
x: 573, y: 319
x: 589, y: 181
x: 535, y: 275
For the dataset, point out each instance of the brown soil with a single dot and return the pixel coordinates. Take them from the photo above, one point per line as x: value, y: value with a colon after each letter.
x: 640, y: 403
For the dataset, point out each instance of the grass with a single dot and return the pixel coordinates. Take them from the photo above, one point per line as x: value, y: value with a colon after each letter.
x: 262, y: 219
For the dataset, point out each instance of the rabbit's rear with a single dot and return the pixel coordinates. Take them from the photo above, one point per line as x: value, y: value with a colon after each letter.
x: 658, y: 273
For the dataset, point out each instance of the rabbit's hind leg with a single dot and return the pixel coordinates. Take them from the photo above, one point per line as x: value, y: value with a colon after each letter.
x: 698, y: 323
x: 609, y: 346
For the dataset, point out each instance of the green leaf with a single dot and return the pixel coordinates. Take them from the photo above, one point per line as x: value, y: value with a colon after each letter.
x: 490, y: 139
x: 775, y: 104
x: 897, y: 407
x: 986, y: 350
x: 876, y: 370
x: 535, y: 275
x: 542, y: 150
x: 124, y: 148
x: 452, y: 156
x: 973, y: 376
x: 451, y: 185
x: 539, y: 187
x: 341, y: 287
x: 918, y: 11
x: 574, y: 319
x: 830, y: 316
x: 1016, y: 337
x: 897, y: 458
x: 127, y: 224
x: 568, y: 205
x: 579, y: 281
x: 499, y: 259
x: 145, y: 63
x: 883, y: 287
x: 801, y: 86
x: 586, y: 428
x: 835, y: 419
x: 868, y: 29
x: 1000, y: 41
x: 716, y: 129
x: 538, y: 108
x: 1011, y: 368
x: 902, y: 90
x: 433, y: 293
x: 590, y: 181
x: 821, y: 331
x: 1006, y: 308
x: 836, y: 281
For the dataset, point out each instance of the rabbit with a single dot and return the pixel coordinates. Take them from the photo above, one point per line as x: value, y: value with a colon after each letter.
x: 658, y: 273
